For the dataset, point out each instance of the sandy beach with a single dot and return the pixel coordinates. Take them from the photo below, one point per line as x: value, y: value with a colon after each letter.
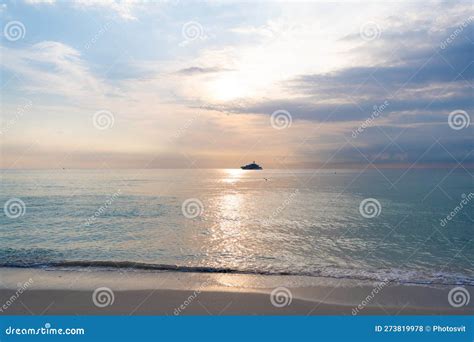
x: 105, y: 292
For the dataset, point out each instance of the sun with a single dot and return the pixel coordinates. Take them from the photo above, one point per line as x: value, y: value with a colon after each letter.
x: 227, y: 88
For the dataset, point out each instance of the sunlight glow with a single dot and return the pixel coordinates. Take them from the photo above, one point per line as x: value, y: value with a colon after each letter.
x: 233, y: 175
x: 228, y: 88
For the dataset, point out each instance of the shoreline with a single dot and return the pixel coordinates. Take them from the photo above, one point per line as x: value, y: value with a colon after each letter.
x: 125, y: 292
x: 133, y: 266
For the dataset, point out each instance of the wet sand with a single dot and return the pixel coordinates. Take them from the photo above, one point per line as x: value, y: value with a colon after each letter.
x: 105, y: 292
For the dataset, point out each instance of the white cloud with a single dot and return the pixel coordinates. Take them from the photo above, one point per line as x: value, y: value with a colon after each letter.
x: 124, y: 8
x: 51, y: 67
x: 39, y: 2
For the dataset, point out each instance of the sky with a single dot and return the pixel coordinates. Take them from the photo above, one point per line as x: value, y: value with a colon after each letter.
x: 181, y: 84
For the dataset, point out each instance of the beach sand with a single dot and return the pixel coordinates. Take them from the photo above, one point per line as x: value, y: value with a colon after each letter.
x: 71, y: 292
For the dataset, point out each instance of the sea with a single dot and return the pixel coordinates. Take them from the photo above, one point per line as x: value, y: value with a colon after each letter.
x: 400, y: 225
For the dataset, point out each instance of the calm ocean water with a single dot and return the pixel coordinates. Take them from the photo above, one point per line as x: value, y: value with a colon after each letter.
x: 272, y: 221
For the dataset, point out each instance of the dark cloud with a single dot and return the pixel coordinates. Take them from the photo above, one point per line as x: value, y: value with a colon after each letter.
x: 352, y: 109
x: 199, y: 70
x: 422, y: 78
x: 424, y: 152
x: 407, y: 145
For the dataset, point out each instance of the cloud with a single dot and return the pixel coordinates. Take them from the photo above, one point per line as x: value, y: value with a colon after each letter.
x: 308, y: 59
x: 123, y: 8
x: 411, y: 149
x: 418, y: 80
x: 39, y: 2
x: 53, y: 68
x: 200, y: 70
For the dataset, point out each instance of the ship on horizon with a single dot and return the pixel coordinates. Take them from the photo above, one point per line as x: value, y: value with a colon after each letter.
x: 252, y: 166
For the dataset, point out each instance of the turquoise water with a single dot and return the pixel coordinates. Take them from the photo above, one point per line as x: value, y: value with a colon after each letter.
x: 272, y: 221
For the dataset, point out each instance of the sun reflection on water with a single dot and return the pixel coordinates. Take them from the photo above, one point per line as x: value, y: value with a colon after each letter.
x: 232, y: 175
x: 228, y: 230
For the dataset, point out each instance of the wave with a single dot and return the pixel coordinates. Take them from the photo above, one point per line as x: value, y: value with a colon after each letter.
x: 391, y: 276
x: 141, y: 266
